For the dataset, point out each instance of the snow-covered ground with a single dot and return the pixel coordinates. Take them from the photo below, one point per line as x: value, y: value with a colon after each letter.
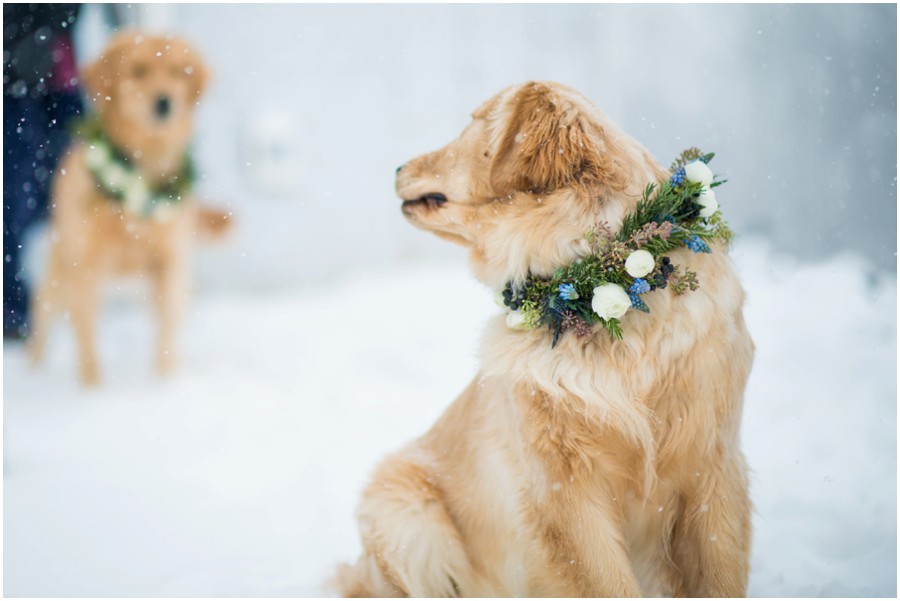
x: 239, y: 476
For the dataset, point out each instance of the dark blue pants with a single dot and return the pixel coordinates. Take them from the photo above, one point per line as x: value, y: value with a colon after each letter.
x: 34, y: 137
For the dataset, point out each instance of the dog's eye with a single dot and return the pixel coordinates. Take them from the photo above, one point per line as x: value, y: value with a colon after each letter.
x: 139, y: 71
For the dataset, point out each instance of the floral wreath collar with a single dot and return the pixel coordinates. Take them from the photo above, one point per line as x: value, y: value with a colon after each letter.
x: 623, y: 266
x: 121, y: 181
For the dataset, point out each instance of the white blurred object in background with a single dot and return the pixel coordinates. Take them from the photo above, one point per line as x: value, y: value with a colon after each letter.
x: 152, y: 18
x: 270, y: 151
x: 97, y: 22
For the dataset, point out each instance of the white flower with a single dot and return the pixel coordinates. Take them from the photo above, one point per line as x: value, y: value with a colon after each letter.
x: 698, y: 173
x: 96, y: 156
x: 515, y: 320
x: 136, y: 196
x: 610, y: 301
x: 639, y: 263
x: 115, y: 176
x: 164, y: 211
x: 707, y: 200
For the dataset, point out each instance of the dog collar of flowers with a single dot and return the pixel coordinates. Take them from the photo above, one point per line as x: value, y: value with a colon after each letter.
x: 622, y: 267
x: 120, y: 180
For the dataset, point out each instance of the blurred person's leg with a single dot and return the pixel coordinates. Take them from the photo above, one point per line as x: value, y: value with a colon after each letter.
x: 19, y: 203
x: 61, y: 108
x: 34, y: 137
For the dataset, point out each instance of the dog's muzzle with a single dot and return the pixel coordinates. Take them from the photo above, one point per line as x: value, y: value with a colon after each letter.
x: 162, y: 107
x: 432, y: 200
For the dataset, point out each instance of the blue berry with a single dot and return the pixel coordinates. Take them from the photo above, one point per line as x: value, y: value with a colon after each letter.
x: 697, y: 245
x: 640, y: 286
x: 567, y: 292
x: 637, y: 303
x: 677, y: 178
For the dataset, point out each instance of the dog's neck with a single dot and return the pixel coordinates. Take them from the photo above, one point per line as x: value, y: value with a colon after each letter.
x: 158, y: 157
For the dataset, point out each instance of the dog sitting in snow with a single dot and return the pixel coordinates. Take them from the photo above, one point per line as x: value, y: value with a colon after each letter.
x: 121, y: 199
x: 595, y: 467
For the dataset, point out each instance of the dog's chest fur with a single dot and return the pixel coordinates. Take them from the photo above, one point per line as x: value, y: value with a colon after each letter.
x: 582, y: 467
x: 114, y: 241
x: 599, y: 430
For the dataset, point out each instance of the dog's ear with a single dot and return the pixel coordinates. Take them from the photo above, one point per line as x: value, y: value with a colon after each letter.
x: 197, y: 72
x: 548, y: 144
x: 199, y: 77
x: 97, y: 78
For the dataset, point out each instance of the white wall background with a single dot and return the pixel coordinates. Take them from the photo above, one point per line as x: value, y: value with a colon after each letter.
x: 799, y: 102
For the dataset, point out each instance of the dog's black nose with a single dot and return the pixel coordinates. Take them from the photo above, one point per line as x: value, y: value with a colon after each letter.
x: 399, y: 168
x: 162, y: 107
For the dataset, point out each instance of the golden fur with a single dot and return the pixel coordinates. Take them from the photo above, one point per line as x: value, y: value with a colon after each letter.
x: 596, y: 468
x: 93, y: 239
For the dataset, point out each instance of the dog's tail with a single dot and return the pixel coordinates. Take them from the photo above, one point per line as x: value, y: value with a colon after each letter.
x: 212, y: 224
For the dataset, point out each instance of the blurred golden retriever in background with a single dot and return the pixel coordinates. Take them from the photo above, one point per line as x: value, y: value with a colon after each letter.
x: 596, y: 468
x: 116, y: 197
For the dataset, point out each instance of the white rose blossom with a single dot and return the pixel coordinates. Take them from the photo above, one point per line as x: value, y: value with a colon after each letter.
x: 136, y: 196
x: 610, y: 301
x: 698, y: 172
x: 707, y: 200
x: 639, y: 263
x: 115, y: 176
x: 96, y: 156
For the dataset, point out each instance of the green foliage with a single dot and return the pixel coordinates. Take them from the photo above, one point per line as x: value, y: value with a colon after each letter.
x: 681, y: 282
x: 86, y: 128
x: 720, y: 228
x: 689, y: 156
x: 614, y: 327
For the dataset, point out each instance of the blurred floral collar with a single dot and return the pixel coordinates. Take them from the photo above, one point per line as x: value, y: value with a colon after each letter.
x: 120, y: 180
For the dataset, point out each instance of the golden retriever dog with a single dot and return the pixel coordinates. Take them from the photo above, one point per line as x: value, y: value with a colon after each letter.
x: 596, y: 468
x: 144, y: 90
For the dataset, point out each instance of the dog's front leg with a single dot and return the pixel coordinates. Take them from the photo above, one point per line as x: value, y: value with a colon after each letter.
x: 171, y: 286
x: 45, y: 305
x: 712, y: 536
x: 82, y: 287
x: 582, y: 536
x: 412, y: 546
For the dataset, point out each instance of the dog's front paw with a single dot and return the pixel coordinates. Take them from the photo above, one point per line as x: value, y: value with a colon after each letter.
x: 165, y: 363
x: 89, y: 375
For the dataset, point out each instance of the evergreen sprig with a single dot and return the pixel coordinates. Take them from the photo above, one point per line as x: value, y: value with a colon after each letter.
x: 666, y: 217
